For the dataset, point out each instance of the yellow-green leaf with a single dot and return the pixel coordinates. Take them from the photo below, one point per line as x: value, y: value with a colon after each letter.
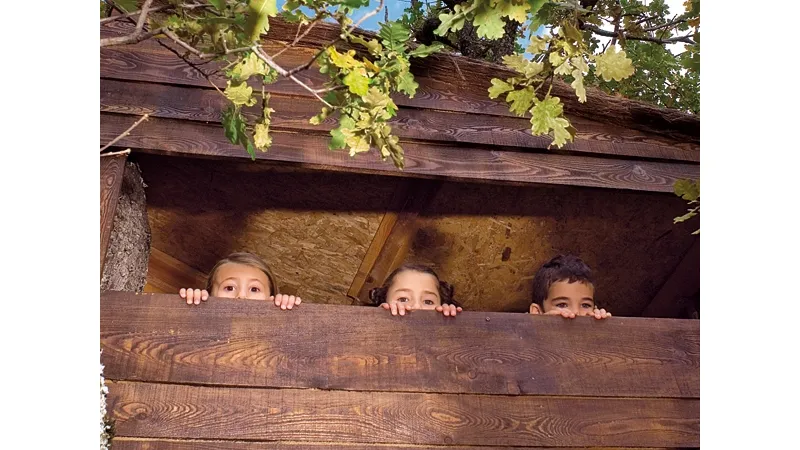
x: 520, y: 100
x: 259, y: 12
x: 515, y: 11
x: 407, y: 84
x: 240, y: 94
x: 498, y: 88
x: 343, y: 60
x: 580, y: 90
x: 564, y: 69
x: 546, y: 116
x: 248, y: 66
x: 261, y: 136
x: 372, y: 45
x: 522, y: 65
x: 579, y: 63
x: 614, y: 66
x: 489, y: 24
x: 357, y: 81
x: 452, y: 22
x: 556, y: 59
x: 687, y: 189
x: 537, y: 45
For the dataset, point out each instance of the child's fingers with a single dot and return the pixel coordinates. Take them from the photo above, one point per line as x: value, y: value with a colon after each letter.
x: 386, y: 306
x: 182, y: 292
x: 298, y: 301
x: 277, y: 300
x: 401, y: 309
x: 394, y: 309
x: 204, y: 295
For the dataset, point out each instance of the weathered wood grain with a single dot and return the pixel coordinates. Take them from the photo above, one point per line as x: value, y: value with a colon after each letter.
x: 251, y: 343
x: 439, y: 71
x: 111, y: 171
x: 180, y: 137
x: 126, y: 443
x: 292, y: 113
x: 179, y: 411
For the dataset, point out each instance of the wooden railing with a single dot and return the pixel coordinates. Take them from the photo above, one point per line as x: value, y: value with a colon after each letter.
x: 239, y: 374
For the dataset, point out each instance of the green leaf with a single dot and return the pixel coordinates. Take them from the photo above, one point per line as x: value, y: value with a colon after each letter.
x: 522, y: 65
x: 372, y: 45
x: 577, y: 84
x: 546, y: 116
x: 614, y: 66
x: 453, y: 22
x: 337, y: 136
x: 687, y: 189
x: 425, y: 50
x: 489, y: 23
x: 536, y: 5
x: 521, y: 100
x: 250, y: 65
x: 240, y: 94
x: 357, y: 81
x: 343, y: 60
x: 394, y: 35
x: 218, y: 4
x: 685, y: 217
x: 406, y: 83
x: 319, y: 118
x: 259, y: 12
x: 232, y: 121
x: 128, y: 5
x: 514, y: 11
x: 499, y: 87
x: 537, y: 45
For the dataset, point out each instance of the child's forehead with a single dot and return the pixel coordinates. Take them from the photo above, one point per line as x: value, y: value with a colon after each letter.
x: 564, y: 286
x: 411, y: 279
x: 233, y: 269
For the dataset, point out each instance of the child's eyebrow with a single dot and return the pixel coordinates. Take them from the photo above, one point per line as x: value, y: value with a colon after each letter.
x: 431, y: 292
x: 402, y: 290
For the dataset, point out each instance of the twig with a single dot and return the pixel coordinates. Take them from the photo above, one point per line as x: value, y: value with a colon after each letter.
x: 597, y: 30
x: 458, y: 69
x: 309, y: 63
x: 143, y: 16
x: 366, y: 16
x: 123, y: 152
x: 126, y: 132
x: 297, y: 38
x: 330, y: 89
x: 135, y: 13
x: 257, y: 50
x: 197, y: 52
x: 193, y: 66
x: 129, y: 39
x: 666, y: 25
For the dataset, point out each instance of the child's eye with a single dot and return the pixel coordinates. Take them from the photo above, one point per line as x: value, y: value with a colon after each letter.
x: 255, y: 289
x: 428, y: 302
x: 402, y: 299
x: 562, y: 305
x: 228, y: 288
x: 588, y: 305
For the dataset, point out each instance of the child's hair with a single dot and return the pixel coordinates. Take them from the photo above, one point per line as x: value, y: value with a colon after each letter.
x: 247, y: 259
x: 446, y: 291
x: 561, y: 267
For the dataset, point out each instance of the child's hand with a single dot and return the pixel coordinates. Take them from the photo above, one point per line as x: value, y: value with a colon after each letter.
x: 193, y: 296
x: 449, y: 310
x: 601, y: 314
x: 563, y: 312
x: 285, y: 301
x: 397, y: 308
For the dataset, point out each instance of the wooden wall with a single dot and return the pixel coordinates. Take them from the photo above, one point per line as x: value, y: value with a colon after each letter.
x: 239, y: 374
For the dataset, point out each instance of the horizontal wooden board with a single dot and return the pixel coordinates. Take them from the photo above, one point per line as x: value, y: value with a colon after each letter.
x: 293, y: 113
x: 179, y: 411
x: 441, y: 86
x: 251, y: 343
x: 180, y: 137
x: 125, y: 443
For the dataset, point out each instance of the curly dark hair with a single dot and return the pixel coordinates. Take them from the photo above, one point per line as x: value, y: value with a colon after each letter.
x: 561, y: 267
x: 446, y: 290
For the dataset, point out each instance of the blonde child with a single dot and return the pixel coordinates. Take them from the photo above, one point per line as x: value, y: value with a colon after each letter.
x: 241, y: 275
x: 414, y: 287
x: 563, y: 286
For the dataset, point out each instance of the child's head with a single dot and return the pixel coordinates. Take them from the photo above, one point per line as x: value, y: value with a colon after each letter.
x: 564, y: 282
x: 414, y: 285
x: 242, y: 275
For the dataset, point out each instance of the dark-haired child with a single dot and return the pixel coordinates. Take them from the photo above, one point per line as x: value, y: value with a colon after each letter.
x: 411, y: 287
x: 563, y: 286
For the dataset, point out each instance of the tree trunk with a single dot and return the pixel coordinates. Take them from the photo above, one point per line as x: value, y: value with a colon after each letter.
x: 129, y: 245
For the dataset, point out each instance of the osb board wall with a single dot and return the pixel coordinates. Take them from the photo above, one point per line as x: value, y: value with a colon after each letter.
x: 314, y: 228
x: 489, y: 240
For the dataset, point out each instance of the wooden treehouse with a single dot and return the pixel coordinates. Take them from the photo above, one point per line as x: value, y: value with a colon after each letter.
x: 481, y: 200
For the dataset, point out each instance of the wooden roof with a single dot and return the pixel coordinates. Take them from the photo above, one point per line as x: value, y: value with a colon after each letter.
x: 332, y: 235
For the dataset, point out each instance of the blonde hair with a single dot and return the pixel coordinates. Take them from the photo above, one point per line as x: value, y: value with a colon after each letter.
x: 247, y: 259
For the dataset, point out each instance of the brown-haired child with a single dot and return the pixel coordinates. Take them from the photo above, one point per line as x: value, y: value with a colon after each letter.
x: 411, y: 287
x: 241, y: 275
x: 563, y: 286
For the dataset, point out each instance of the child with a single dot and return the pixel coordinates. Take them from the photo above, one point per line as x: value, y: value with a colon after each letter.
x: 412, y: 287
x: 563, y: 286
x: 241, y: 275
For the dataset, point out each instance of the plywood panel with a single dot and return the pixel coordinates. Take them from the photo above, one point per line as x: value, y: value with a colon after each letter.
x: 251, y: 343
x: 313, y: 228
x: 489, y: 241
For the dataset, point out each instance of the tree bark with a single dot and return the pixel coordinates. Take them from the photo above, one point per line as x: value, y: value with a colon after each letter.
x: 129, y: 245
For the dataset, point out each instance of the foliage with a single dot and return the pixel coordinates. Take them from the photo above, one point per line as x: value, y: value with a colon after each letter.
x: 688, y: 190
x: 613, y: 44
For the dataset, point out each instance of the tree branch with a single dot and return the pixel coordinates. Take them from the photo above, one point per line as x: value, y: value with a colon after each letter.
x: 309, y: 63
x: 257, y: 50
x: 130, y: 39
x: 666, y: 25
x: 298, y: 38
x: 143, y: 16
x: 597, y: 30
x: 366, y: 16
x: 135, y: 13
x: 126, y: 132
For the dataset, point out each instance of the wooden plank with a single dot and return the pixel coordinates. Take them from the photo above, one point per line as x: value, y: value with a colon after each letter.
x: 111, y: 170
x: 245, y: 343
x: 393, y: 239
x: 439, y: 70
x: 126, y: 443
x: 164, y: 273
x: 179, y: 411
x: 292, y: 113
x: 179, y: 137
x: 682, y: 284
